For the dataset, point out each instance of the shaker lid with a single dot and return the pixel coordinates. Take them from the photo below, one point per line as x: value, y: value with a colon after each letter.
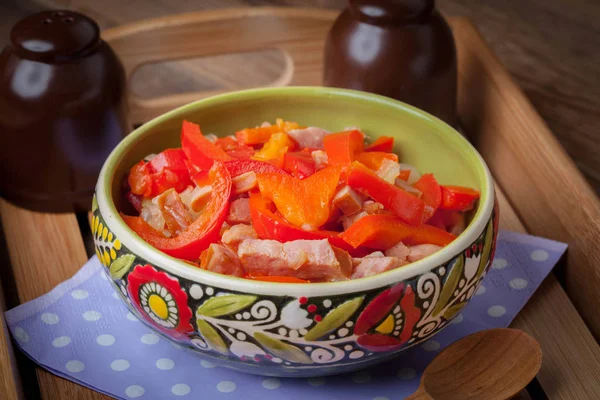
x: 391, y: 11
x: 55, y: 35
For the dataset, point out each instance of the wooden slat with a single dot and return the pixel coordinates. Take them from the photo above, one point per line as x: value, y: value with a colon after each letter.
x: 571, y: 364
x: 541, y: 181
x: 45, y: 249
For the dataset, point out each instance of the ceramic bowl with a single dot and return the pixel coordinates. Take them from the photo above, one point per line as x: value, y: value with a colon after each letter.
x: 299, y: 329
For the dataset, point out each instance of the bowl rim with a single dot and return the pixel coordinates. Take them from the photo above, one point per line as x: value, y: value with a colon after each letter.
x: 182, y: 269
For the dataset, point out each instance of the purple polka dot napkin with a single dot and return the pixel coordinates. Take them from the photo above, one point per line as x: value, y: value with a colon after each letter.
x: 81, y: 331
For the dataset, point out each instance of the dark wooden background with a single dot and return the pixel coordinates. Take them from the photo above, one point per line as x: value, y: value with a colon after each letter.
x: 552, y: 48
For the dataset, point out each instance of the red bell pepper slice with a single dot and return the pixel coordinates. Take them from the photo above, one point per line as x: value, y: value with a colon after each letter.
x: 166, y: 170
x: 140, y: 179
x: 431, y: 194
x: 278, y: 279
x: 201, y: 233
x: 458, y: 198
x: 343, y: 147
x: 383, y: 143
x: 269, y: 225
x: 381, y: 232
x: 198, y: 149
x: 403, y: 204
x: 300, y: 164
x: 239, y: 167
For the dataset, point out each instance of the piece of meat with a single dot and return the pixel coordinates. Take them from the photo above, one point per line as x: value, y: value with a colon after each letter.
x: 176, y: 214
x: 373, y: 207
x: 221, y: 260
x: 244, y: 182
x: 239, y: 212
x: 313, y: 260
x: 234, y: 235
x: 348, y: 220
x: 399, y: 250
x: 311, y: 137
x: 347, y: 200
x: 421, y: 251
x: 369, y: 266
x: 196, y: 198
x: 320, y: 158
x: 344, y: 259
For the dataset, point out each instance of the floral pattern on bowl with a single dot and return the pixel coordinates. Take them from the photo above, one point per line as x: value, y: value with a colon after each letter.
x: 295, y: 336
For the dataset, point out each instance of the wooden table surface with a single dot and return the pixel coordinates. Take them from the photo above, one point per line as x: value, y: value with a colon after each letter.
x: 551, y: 47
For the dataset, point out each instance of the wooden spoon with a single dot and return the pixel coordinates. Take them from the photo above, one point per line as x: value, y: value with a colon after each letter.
x: 495, y: 364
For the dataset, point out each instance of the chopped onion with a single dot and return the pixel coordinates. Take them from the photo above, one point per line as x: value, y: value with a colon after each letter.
x: 211, y: 137
x: 408, y: 188
x: 414, y: 173
x: 152, y: 215
x: 149, y: 157
x: 388, y: 171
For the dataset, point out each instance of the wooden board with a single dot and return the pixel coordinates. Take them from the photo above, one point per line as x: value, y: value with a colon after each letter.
x: 571, y: 364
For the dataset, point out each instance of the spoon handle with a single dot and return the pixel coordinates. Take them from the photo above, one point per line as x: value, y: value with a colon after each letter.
x: 420, y: 394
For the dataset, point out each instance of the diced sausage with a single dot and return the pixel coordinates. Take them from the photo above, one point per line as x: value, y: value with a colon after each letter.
x: 220, y: 259
x: 399, y: 250
x: 195, y: 199
x: 313, y: 260
x: 234, y: 235
x: 239, y: 212
x: 421, y: 251
x: 348, y: 220
x: 244, y: 182
x: 347, y: 200
x: 369, y: 266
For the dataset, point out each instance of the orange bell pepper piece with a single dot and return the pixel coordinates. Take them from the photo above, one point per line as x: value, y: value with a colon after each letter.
x: 275, y: 148
x: 199, y: 150
x: 374, y: 159
x: 432, y: 194
x: 458, y: 198
x: 403, y: 204
x: 383, y: 143
x: 270, y: 225
x: 190, y: 243
x: 343, y: 147
x: 381, y: 232
x: 252, y: 136
x: 304, y: 203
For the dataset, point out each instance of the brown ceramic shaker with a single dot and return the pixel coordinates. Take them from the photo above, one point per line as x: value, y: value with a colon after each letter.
x: 402, y: 49
x: 62, y: 110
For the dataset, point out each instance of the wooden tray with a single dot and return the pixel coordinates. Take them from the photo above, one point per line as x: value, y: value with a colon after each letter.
x: 540, y: 189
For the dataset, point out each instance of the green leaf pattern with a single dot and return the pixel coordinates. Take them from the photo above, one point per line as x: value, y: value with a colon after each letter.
x: 282, y: 350
x: 451, y: 284
x: 334, y: 319
x: 212, y: 337
x: 121, y: 266
x: 225, y: 305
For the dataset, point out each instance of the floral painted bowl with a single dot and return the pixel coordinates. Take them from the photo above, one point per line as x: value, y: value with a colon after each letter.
x: 299, y: 329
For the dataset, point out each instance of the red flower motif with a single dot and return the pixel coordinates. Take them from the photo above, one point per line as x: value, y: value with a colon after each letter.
x: 379, y: 319
x: 160, y: 300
